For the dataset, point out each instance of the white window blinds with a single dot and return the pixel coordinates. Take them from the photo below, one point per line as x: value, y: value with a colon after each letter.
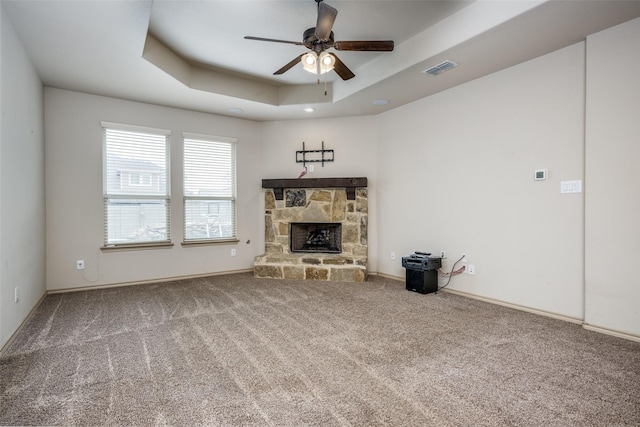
x: 136, y: 185
x: 209, y: 188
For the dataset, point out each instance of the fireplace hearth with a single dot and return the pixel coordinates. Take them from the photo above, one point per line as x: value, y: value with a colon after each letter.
x: 309, y: 237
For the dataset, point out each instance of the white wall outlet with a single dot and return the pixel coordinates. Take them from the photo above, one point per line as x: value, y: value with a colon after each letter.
x: 443, y: 254
x: 310, y: 168
x: 16, y: 295
x: 464, y: 257
x: 233, y: 252
x: 471, y: 269
x: 80, y: 264
x: 393, y: 255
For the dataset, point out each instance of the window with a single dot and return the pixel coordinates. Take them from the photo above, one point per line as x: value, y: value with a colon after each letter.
x: 136, y: 185
x: 209, y: 188
x: 140, y: 179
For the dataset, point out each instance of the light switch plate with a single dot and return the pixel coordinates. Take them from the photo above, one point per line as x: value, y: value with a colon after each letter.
x: 567, y: 187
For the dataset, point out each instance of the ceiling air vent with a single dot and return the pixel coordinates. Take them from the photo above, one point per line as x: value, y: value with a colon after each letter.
x: 440, y: 68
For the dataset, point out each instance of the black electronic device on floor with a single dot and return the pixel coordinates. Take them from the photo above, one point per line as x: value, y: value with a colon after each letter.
x: 422, y: 272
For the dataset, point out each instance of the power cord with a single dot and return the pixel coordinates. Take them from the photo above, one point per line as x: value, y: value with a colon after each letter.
x: 453, y: 273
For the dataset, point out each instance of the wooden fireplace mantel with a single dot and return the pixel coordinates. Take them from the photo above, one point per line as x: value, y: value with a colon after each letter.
x: 349, y: 184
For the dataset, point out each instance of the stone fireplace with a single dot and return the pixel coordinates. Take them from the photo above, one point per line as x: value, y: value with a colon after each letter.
x: 315, y: 229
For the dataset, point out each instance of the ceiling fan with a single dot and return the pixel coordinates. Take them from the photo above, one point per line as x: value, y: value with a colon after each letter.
x: 320, y: 38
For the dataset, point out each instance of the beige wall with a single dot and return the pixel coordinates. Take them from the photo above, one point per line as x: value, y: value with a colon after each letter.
x: 74, y: 193
x: 456, y: 174
x: 265, y: 150
x: 613, y: 179
x: 452, y: 172
x: 22, y: 202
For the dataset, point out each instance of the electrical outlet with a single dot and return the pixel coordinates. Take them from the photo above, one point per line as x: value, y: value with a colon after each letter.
x: 464, y: 257
x: 233, y: 252
x: 80, y: 264
x: 310, y: 168
x: 393, y: 255
x: 15, y: 295
x: 471, y: 269
x: 443, y: 254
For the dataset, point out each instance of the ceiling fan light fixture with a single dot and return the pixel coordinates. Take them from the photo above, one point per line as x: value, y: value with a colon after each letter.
x: 327, y: 61
x: 309, y: 62
x: 310, y: 58
x: 318, y: 64
x: 320, y: 38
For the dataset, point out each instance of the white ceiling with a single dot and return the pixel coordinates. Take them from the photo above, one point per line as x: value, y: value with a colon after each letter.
x: 193, y: 55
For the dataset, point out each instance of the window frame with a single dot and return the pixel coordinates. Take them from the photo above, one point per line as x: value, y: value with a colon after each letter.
x: 232, y: 142
x: 123, y: 195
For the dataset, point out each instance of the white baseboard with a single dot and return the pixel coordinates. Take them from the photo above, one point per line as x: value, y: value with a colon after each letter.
x: 576, y: 320
x: 144, y: 282
x: 613, y: 332
x: 570, y: 319
x: 24, y: 322
x: 532, y: 310
x: 387, y: 276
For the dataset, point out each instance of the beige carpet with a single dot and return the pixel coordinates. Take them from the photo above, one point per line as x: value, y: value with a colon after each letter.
x: 234, y: 350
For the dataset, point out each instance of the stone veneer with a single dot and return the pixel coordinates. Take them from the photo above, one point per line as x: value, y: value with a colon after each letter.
x: 315, y: 205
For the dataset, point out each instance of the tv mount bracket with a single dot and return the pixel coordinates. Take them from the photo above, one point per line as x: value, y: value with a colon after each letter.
x: 305, y: 156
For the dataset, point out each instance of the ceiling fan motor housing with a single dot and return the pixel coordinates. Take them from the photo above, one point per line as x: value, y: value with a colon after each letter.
x: 311, y: 41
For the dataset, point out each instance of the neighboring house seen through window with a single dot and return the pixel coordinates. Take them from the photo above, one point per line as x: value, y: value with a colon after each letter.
x: 209, y: 188
x: 136, y: 185
x: 140, y: 179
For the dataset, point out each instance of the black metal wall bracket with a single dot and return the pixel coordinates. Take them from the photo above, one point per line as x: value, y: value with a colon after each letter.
x: 301, y: 156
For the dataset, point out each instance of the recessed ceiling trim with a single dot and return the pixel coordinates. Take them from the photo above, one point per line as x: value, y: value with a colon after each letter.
x: 238, y: 86
x: 109, y: 62
x: 469, y: 22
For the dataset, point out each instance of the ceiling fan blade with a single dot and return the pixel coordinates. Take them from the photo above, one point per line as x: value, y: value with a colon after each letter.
x: 262, y: 39
x: 290, y: 65
x: 326, y: 18
x: 363, y: 45
x: 341, y: 69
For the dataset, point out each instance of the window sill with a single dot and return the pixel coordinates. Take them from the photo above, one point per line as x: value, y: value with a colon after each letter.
x: 136, y: 246
x: 210, y: 242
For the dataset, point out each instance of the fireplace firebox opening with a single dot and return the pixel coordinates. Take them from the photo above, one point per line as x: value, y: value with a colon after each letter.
x: 315, y: 237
